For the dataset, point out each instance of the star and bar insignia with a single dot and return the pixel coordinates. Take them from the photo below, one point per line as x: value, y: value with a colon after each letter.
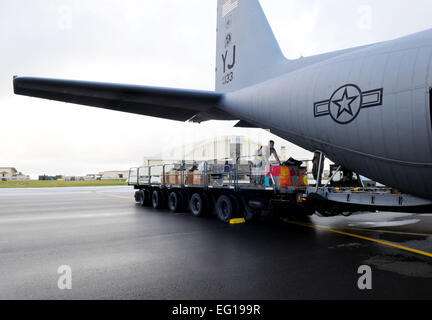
x: 346, y: 103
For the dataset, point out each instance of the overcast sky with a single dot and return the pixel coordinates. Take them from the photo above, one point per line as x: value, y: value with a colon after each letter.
x: 167, y: 43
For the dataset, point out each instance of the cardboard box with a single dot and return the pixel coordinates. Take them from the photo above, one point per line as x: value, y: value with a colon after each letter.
x: 190, y: 176
x: 173, y: 177
x: 198, y: 178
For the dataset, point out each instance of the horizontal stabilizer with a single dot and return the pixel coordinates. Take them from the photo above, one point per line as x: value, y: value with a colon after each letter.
x: 167, y: 103
x: 244, y: 124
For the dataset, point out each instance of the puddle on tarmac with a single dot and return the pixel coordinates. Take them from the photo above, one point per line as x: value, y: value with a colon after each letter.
x: 401, y: 265
x: 349, y: 245
x: 382, y: 224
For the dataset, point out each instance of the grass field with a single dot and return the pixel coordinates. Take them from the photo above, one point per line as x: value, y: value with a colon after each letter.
x: 50, y: 184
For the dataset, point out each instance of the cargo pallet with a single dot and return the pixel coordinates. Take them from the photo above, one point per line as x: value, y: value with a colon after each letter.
x: 239, y: 191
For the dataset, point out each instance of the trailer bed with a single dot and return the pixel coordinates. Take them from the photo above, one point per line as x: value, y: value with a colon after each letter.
x: 237, y: 191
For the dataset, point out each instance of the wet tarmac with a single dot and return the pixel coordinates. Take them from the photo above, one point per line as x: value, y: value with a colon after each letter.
x: 119, y: 250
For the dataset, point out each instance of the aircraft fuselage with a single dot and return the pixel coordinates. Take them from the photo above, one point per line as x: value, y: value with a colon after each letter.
x: 367, y: 109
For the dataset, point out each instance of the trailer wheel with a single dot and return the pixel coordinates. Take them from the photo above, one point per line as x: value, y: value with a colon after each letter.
x: 157, y: 199
x: 198, y: 205
x: 225, y: 208
x: 148, y: 199
x: 175, y: 201
x: 185, y: 201
x: 249, y: 213
x: 208, y: 201
x: 238, y: 206
x: 138, y: 196
x: 143, y: 198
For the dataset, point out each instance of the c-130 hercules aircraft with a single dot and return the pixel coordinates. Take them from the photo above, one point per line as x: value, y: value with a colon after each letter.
x: 367, y: 109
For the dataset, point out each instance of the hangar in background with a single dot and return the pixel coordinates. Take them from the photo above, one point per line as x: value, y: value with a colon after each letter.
x: 114, y: 174
x: 225, y: 147
x: 12, y: 174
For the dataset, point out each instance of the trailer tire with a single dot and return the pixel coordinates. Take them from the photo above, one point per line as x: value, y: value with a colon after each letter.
x: 225, y: 208
x: 185, y: 201
x: 138, y: 196
x: 176, y: 202
x: 157, y: 199
x: 249, y: 213
x: 144, y: 198
x: 198, y: 204
x: 208, y: 201
x: 238, y: 206
x: 148, y: 201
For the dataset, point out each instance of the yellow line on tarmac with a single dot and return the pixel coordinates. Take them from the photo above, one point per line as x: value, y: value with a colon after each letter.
x: 428, y: 254
x: 381, y: 231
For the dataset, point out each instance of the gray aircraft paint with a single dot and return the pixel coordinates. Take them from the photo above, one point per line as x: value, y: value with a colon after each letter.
x: 390, y: 142
x: 258, y: 56
x: 381, y: 127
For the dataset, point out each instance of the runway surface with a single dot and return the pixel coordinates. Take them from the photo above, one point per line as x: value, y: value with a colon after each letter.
x: 119, y: 250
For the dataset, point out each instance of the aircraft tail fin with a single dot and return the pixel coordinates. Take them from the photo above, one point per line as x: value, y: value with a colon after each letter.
x: 247, y: 51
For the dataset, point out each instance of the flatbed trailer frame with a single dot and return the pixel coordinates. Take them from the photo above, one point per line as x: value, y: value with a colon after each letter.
x: 234, y: 193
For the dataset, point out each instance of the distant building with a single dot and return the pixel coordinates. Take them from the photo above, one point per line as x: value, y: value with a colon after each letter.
x: 226, y: 147
x: 12, y: 174
x: 7, y: 173
x: 114, y: 174
x: 92, y: 176
x: 20, y: 177
x: 51, y: 178
x: 54, y: 178
x: 152, y: 161
x: 74, y: 178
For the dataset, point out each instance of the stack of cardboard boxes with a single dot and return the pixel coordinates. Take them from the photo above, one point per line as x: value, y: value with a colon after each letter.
x: 198, y: 178
x: 173, y: 177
